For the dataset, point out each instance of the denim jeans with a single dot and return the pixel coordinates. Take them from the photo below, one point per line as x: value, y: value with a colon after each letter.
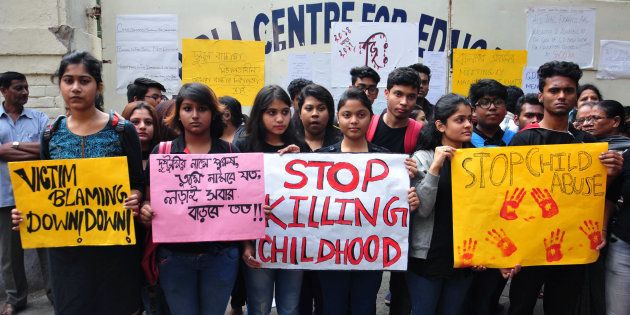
x: 198, y: 283
x: 350, y: 290
x: 260, y: 289
x: 618, y: 277
x: 437, y: 295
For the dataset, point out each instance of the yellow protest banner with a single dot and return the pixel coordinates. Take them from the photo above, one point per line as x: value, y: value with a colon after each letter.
x: 528, y: 205
x: 73, y: 202
x: 228, y: 67
x: 470, y: 65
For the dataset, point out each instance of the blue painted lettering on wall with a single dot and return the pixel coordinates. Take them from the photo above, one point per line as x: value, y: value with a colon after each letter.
x: 288, y: 26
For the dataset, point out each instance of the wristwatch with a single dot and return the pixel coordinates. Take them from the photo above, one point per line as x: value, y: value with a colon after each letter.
x: 15, y: 145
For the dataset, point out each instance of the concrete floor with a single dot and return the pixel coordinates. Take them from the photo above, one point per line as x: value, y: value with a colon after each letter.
x: 38, y: 303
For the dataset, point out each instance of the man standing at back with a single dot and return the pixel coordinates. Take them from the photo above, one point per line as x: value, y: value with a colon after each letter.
x: 423, y: 89
x: 20, y: 132
x: 558, y: 82
x: 366, y: 79
x: 143, y: 89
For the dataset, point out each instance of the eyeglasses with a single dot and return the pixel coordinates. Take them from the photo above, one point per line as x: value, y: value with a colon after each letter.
x: 154, y: 96
x: 592, y: 118
x: 372, y: 89
x: 485, y: 102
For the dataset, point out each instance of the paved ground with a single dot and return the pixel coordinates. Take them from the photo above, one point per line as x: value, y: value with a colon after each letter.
x: 38, y: 303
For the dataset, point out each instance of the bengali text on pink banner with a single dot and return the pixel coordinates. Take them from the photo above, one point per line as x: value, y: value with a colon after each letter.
x: 207, y: 197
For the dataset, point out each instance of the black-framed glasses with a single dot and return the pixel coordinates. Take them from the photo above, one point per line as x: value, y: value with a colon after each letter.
x: 154, y: 96
x: 486, y: 102
x: 369, y: 88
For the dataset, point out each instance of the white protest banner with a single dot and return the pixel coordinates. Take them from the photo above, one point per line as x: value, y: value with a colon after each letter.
x: 381, y: 46
x: 614, y: 60
x: 436, y: 61
x: 560, y: 33
x: 336, y: 212
x: 147, y: 46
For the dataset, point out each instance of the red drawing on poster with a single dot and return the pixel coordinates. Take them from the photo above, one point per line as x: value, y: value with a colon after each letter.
x: 502, y: 241
x: 553, y: 244
x: 593, y: 232
x: 375, y: 48
x: 546, y: 203
x: 511, y: 203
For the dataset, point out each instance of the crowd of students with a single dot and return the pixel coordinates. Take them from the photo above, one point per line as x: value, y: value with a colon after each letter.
x: 200, y: 278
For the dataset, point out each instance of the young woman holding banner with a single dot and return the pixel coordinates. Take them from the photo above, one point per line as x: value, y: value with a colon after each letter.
x: 92, y: 279
x: 197, y: 278
x: 434, y: 285
x: 269, y: 130
x: 355, y: 290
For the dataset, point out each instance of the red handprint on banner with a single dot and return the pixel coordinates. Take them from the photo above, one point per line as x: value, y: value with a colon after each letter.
x: 592, y: 231
x: 466, y: 252
x: 546, y: 203
x: 501, y: 240
x: 508, y: 210
x: 552, y: 246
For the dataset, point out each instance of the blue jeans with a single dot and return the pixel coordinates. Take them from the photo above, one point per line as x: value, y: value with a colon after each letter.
x: 359, y: 288
x: 618, y: 277
x: 260, y: 289
x: 198, y: 283
x: 437, y: 295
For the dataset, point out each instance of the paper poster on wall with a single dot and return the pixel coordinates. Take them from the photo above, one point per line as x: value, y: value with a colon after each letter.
x: 560, y: 33
x: 530, y: 80
x: 229, y: 67
x: 76, y: 202
x: 336, y: 212
x: 147, y: 46
x: 436, y: 61
x: 207, y: 197
x: 381, y: 46
x: 471, y: 65
x: 528, y: 205
x: 614, y: 60
x: 311, y: 66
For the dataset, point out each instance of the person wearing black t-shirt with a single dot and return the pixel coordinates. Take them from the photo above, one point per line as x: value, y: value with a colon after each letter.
x: 558, y: 82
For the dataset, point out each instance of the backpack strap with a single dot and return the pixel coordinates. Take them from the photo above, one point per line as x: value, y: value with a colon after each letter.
x: 118, y: 122
x: 372, y: 127
x: 52, y: 128
x: 411, y: 136
x: 165, y: 147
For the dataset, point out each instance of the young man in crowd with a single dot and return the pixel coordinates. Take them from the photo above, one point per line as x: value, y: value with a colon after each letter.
x: 395, y: 131
x: 488, y: 98
x: 558, y: 82
x: 20, y: 132
x: 528, y: 110
x: 513, y: 94
x: 143, y: 89
x: 366, y: 79
x: 294, y: 89
x: 424, y: 74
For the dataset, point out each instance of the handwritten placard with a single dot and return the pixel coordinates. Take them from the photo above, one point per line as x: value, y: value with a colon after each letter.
x: 147, y: 46
x: 530, y: 80
x: 560, y: 33
x: 528, y: 205
x: 380, y: 46
x: 207, y: 197
x: 614, y: 60
x: 73, y: 202
x: 471, y: 65
x: 336, y: 211
x: 229, y: 67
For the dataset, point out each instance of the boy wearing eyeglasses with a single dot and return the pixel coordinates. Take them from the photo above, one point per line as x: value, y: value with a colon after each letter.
x: 488, y: 99
x: 366, y: 79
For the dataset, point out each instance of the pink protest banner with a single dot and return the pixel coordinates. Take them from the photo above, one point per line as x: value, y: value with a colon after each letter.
x: 207, y: 197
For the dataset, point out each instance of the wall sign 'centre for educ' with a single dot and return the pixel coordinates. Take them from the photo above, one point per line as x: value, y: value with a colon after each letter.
x: 336, y: 211
x: 528, y: 205
x: 207, y: 197
x: 73, y: 202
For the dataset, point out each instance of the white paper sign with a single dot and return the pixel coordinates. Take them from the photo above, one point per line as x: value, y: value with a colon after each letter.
x: 311, y: 66
x: 614, y: 60
x: 381, y: 46
x: 336, y: 212
x: 560, y: 33
x: 147, y: 46
x: 436, y: 61
x: 530, y: 80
